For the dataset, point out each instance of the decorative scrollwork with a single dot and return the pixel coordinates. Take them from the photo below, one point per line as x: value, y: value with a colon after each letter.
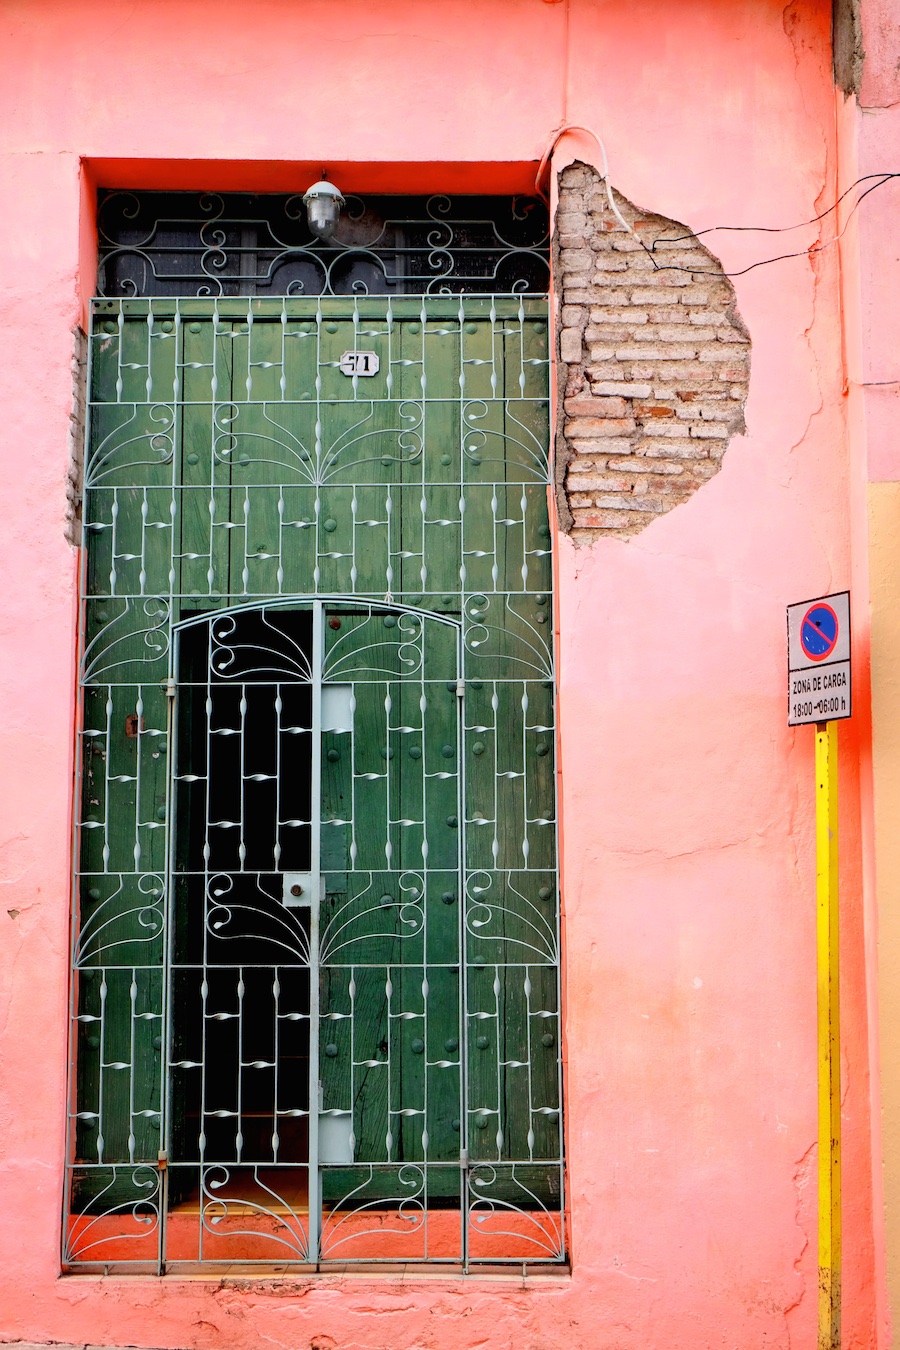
x: 240, y: 652
x: 512, y: 642
x: 510, y: 918
x: 121, y: 919
x: 384, y: 644
x: 351, y: 921
x: 253, y: 1210
x: 279, y: 449
x: 263, y: 920
x: 486, y: 444
x: 133, y: 444
x: 507, y: 1205
x: 395, y: 445
x: 156, y: 243
x: 126, y: 1209
x: 136, y: 637
x: 403, y: 1212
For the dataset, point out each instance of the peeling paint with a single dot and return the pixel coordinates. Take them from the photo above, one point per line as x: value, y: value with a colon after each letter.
x: 654, y: 362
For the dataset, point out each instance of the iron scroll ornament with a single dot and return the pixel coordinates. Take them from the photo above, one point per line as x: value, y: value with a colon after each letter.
x: 207, y: 244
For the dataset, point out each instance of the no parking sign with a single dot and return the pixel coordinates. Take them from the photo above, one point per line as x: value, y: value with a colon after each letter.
x: 819, y: 659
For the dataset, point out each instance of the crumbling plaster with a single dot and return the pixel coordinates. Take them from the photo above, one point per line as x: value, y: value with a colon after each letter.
x: 654, y: 361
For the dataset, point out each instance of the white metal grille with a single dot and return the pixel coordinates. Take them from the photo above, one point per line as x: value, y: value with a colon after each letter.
x: 316, y: 991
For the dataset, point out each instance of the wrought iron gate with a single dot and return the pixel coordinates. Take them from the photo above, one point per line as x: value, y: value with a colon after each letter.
x: 316, y: 961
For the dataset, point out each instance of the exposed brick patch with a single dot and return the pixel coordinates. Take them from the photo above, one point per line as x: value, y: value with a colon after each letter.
x: 75, y: 472
x: 654, y: 364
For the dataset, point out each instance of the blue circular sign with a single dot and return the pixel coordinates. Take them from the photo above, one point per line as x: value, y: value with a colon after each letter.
x: 819, y: 631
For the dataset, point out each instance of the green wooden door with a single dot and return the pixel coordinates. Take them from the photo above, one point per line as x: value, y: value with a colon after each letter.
x: 236, y: 471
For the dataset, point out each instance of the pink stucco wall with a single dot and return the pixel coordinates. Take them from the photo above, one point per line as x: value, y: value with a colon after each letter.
x: 686, y: 803
x: 869, y: 131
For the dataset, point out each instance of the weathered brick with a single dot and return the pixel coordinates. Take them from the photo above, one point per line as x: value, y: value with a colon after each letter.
x: 598, y: 449
x: 668, y: 314
x: 570, y: 345
x: 603, y: 520
x: 730, y: 334
x: 606, y: 371
x: 596, y: 407
x: 658, y: 332
x: 606, y: 295
x: 629, y: 503
x: 652, y: 296
x: 571, y: 220
x: 617, y: 314
x: 640, y: 464
x: 686, y: 370
x: 721, y: 351
x: 612, y: 333
x: 623, y: 387
x: 704, y: 318
x: 706, y: 430
x: 662, y: 351
x: 673, y: 428
x: 655, y: 337
x: 657, y: 285
x: 682, y: 333
x: 718, y: 413
x: 606, y: 267
x: 642, y: 410
x: 605, y: 482
x: 586, y: 428
x: 683, y: 449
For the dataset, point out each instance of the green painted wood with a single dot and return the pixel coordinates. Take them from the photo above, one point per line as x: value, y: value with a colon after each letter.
x: 233, y: 514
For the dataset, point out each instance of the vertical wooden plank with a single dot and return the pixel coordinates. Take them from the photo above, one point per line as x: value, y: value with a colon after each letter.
x: 264, y: 445
x: 298, y: 417
x: 201, y: 561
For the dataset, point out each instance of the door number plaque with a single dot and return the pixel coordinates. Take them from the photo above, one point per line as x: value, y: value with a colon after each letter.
x: 359, y: 363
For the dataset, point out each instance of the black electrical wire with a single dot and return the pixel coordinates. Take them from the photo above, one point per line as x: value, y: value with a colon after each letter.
x: 785, y: 229
x: 881, y: 178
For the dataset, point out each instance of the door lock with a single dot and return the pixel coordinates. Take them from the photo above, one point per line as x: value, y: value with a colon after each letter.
x: 297, y: 889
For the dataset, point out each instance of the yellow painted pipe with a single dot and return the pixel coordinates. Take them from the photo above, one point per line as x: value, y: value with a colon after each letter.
x: 829, y: 1036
